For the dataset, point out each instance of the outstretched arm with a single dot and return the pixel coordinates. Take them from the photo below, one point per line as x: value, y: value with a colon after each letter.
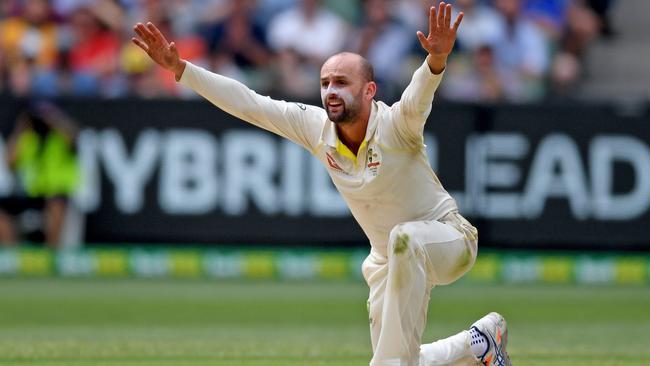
x: 298, y: 123
x: 415, y: 104
x: 441, y: 38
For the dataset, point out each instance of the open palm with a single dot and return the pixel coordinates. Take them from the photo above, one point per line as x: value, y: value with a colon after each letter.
x: 442, y: 35
x: 157, y: 47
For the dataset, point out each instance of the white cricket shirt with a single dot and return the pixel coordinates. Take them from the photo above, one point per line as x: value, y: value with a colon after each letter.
x: 388, y: 182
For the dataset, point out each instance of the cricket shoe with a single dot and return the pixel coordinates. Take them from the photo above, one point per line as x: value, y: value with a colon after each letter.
x: 495, y: 330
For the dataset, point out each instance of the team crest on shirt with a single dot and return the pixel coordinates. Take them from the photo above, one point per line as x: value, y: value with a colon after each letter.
x: 374, y: 161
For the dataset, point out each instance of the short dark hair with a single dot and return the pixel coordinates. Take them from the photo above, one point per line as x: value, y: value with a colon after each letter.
x: 367, y: 70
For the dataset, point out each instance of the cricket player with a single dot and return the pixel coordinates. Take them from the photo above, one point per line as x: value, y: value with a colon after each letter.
x: 376, y: 157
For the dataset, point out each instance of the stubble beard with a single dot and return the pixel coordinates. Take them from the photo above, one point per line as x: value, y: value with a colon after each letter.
x: 343, y: 116
x: 348, y: 111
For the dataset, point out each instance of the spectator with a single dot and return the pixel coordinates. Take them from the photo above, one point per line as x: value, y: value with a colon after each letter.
x: 602, y: 9
x: 81, y: 47
x: 570, y: 22
x: 237, y: 44
x: 94, y: 53
x: 522, y: 53
x: 30, y: 44
x: 481, y: 25
x: 582, y: 28
x: 474, y: 77
x: 239, y: 36
x: 308, y: 29
x: 294, y: 78
x: 188, y: 14
x: 410, y: 13
x: 572, y: 26
x: 384, y: 42
x: 550, y: 15
x: 350, y: 11
x: 41, y: 150
x: 303, y: 37
x: 147, y: 10
x: 269, y: 9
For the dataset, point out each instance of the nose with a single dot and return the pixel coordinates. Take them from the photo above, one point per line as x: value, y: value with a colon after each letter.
x: 328, y: 93
x: 332, y: 92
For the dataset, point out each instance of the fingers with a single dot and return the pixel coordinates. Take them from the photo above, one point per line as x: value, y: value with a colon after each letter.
x: 422, y: 38
x: 447, y: 16
x: 441, y: 14
x: 432, y: 19
x: 140, y: 44
x: 441, y: 19
x: 172, y: 47
x: 143, y: 32
x: 156, y: 33
x: 458, y: 20
x: 139, y: 33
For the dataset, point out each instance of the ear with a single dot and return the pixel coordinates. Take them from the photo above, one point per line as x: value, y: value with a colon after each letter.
x: 371, y: 90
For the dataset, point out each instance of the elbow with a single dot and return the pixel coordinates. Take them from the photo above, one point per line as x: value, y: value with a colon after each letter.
x: 417, y: 111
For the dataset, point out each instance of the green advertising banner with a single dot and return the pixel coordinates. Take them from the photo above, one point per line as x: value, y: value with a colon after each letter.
x: 493, y: 267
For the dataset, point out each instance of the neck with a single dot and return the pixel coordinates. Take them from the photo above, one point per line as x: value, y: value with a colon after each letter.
x: 352, y: 133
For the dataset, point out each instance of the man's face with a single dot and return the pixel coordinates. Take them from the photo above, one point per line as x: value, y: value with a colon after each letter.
x: 341, y: 89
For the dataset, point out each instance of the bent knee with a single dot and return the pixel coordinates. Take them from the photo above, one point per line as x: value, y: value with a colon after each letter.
x: 460, y: 265
x: 401, y: 240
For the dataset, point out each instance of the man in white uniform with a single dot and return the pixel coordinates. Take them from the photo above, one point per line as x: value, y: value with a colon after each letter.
x: 375, y: 155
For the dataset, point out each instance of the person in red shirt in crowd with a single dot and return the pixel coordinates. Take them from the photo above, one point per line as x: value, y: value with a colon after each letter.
x: 93, y: 56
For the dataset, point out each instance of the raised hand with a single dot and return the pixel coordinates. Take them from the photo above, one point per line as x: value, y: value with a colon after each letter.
x: 156, y: 46
x: 442, y: 36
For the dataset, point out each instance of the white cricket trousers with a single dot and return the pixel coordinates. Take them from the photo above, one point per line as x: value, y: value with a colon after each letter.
x: 421, y: 255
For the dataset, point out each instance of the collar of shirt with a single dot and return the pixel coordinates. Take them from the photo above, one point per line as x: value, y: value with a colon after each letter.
x: 331, y: 139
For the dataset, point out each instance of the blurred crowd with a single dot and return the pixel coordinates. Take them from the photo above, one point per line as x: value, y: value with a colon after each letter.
x: 507, y: 50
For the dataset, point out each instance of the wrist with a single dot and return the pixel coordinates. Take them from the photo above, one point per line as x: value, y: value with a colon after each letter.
x: 179, y: 69
x: 437, y: 63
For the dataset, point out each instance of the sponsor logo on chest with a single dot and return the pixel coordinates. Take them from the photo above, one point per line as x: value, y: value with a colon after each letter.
x: 332, y: 163
x: 369, y: 167
x: 373, y: 161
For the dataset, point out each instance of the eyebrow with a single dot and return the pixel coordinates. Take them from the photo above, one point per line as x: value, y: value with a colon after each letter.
x: 336, y: 77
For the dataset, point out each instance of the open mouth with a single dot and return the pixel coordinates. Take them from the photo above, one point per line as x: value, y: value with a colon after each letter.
x: 334, y: 104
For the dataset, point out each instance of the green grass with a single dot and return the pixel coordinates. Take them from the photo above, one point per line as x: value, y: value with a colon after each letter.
x: 138, y: 322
